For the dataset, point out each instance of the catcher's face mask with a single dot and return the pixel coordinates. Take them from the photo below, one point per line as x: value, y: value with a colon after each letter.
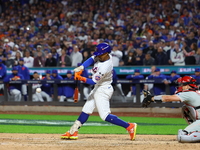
x: 179, y: 87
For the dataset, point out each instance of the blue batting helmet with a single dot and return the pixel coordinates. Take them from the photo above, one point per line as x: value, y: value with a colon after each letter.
x: 102, y: 48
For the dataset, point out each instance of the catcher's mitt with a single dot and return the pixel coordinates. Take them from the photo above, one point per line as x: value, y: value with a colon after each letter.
x: 147, y: 98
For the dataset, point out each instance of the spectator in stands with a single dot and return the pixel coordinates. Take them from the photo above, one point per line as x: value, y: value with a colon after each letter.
x: 176, y: 56
x: 55, y: 75
x: 7, y: 42
x: 39, y: 60
x: 39, y: 49
x: 86, y: 55
x: 42, y: 28
x: 2, y: 54
x: 38, y: 95
x: 7, y: 51
x: 17, y: 58
x: 139, y: 57
x: 64, y: 60
x: 190, y: 38
x: 23, y: 49
x: 50, y: 61
x: 76, y: 56
x: 116, y: 55
x: 148, y: 60
x: 28, y: 60
x: 150, y: 49
x: 58, y: 49
x: 197, y: 56
x: 15, y: 50
x: 3, y: 74
x: 68, y: 89
x: 161, y: 57
x: 172, y: 81
x: 167, y: 46
x: 10, y: 61
x: 14, y: 89
x: 189, y: 56
x: 130, y: 59
x: 54, y: 54
x: 158, y: 89
x: 136, y: 76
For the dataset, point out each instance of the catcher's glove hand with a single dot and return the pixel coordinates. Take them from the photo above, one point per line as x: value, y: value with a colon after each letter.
x: 147, y: 98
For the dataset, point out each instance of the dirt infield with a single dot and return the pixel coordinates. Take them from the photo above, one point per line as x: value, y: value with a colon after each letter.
x: 92, y: 142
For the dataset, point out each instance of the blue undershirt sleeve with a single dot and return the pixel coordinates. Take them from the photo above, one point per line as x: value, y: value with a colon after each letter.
x: 88, y: 62
x: 90, y: 81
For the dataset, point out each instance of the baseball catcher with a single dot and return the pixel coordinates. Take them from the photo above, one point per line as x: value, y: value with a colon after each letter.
x: 188, y: 93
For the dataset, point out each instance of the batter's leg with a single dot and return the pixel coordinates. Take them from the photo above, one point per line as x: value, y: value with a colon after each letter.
x: 83, y: 117
x: 102, y: 97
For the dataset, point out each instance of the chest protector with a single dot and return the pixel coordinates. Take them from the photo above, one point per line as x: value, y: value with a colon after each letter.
x: 190, y: 114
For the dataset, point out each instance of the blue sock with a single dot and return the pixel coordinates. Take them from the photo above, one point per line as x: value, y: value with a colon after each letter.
x: 115, y: 120
x: 83, y: 117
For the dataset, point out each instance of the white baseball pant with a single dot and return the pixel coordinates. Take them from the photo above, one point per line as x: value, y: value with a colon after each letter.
x: 99, y: 97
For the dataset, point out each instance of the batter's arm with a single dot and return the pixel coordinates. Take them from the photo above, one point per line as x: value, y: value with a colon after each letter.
x: 84, y: 79
x: 88, y: 62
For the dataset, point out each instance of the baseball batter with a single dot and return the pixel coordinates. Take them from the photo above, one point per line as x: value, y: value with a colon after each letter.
x: 189, y: 94
x: 99, y: 97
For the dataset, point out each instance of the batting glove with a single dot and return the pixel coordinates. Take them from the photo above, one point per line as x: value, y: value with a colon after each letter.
x: 80, y: 68
x: 80, y: 78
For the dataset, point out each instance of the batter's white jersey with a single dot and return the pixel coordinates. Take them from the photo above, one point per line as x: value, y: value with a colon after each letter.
x: 102, y: 72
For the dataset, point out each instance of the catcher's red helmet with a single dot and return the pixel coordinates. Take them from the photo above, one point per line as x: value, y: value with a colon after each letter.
x: 188, y: 80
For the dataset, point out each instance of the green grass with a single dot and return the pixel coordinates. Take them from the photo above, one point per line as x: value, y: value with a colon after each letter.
x: 146, y: 125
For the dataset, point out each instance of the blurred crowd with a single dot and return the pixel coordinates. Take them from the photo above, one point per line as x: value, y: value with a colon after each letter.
x: 60, y: 33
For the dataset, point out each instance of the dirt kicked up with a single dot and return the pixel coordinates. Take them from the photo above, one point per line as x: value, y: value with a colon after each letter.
x: 92, y: 142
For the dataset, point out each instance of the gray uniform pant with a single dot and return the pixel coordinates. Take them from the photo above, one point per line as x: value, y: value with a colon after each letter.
x: 17, y: 94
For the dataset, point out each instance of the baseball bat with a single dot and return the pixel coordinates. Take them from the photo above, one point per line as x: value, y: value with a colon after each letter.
x: 76, y: 92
